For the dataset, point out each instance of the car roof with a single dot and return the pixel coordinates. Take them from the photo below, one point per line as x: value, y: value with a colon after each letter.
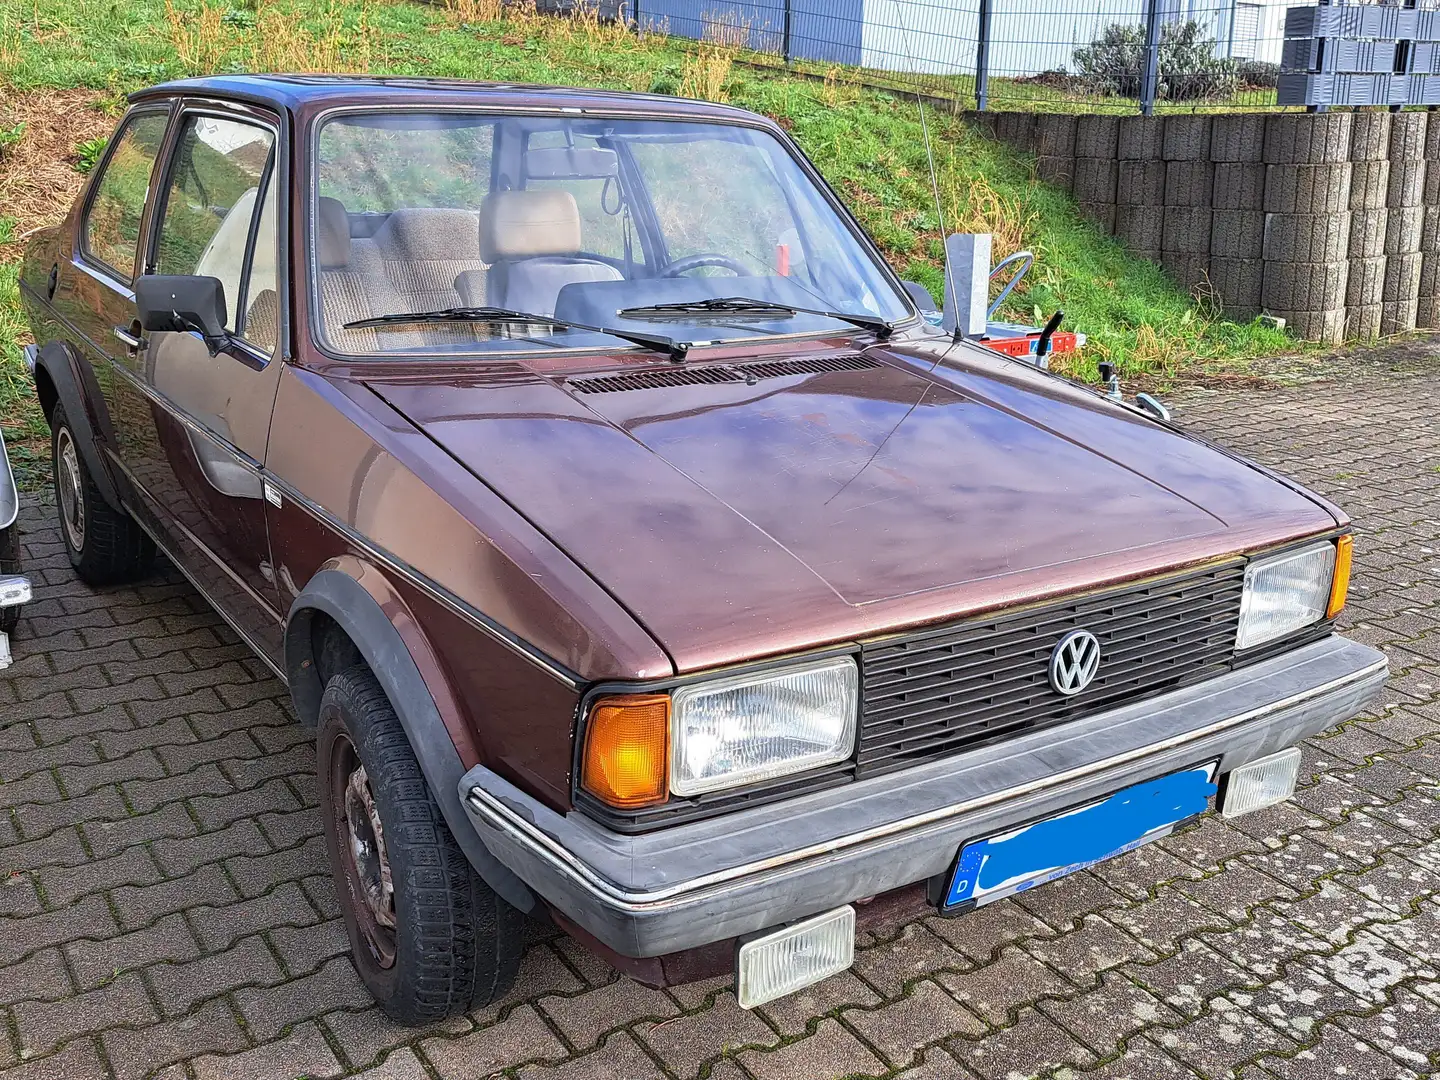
x: 296, y: 91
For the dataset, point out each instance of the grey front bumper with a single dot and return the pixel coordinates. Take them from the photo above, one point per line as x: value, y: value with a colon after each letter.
x: 706, y: 881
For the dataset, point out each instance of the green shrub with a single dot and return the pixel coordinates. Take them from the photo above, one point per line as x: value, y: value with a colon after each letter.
x: 88, y: 153
x: 10, y: 136
x: 1258, y: 73
x: 1188, y: 67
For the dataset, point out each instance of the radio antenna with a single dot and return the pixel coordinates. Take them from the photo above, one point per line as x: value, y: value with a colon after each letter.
x: 949, y: 296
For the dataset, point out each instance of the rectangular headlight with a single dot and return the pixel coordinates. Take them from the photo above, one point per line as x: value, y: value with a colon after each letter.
x: 749, y: 728
x: 1285, y: 593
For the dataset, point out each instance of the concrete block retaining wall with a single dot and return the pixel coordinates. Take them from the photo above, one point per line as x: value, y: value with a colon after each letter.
x: 1330, y: 221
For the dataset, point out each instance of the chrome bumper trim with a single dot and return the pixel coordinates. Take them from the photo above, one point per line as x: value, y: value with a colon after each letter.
x: 504, y: 818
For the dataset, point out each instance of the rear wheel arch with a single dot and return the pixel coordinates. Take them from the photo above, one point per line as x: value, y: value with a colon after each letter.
x: 337, y: 618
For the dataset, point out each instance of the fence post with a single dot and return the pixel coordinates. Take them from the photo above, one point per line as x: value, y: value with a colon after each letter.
x: 982, y: 59
x: 1152, y: 57
x: 785, y: 41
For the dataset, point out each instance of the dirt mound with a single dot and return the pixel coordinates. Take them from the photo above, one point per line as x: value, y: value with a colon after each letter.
x: 38, y: 178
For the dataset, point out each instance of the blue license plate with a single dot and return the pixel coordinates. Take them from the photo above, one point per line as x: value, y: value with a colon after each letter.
x: 1045, y: 850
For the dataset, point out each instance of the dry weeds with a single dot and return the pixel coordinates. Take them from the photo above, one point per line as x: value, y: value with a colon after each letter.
x: 473, y: 12
x: 197, y: 37
x: 38, y: 181
x: 977, y: 207
x: 726, y: 29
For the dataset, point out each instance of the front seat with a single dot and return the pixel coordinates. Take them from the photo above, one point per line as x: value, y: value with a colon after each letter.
x: 531, y: 239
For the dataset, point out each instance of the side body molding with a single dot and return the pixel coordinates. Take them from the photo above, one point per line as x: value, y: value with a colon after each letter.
x: 57, y: 361
x: 360, y: 615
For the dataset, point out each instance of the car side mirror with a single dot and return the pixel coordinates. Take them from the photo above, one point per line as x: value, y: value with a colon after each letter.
x: 182, y: 304
x: 921, y: 297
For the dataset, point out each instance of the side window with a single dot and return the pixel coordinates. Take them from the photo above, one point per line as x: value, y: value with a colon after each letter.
x: 219, y: 182
x: 112, y: 224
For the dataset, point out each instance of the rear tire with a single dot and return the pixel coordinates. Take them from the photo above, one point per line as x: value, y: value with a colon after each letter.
x: 429, y: 938
x: 104, y: 544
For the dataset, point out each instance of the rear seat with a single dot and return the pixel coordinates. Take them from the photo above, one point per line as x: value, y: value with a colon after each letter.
x: 422, y: 250
x: 352, y: 284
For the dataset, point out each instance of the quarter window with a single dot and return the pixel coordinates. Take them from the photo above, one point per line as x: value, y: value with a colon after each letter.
x: 112, y: 224
x: 220, y: 179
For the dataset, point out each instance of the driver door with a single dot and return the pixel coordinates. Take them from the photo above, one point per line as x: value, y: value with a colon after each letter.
x: 202, y: 421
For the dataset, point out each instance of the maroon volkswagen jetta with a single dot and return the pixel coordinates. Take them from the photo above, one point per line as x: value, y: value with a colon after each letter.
x: 639, y: 555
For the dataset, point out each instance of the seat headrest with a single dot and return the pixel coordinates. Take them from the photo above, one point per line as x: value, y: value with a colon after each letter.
x: 429, y: 232
x: 332, y: 234
x: 525, y: 224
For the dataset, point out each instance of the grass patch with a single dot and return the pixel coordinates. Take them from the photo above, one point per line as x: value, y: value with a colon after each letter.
x: 66, y: 65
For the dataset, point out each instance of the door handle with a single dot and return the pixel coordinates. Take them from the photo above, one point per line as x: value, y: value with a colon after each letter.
x: 130, y: 341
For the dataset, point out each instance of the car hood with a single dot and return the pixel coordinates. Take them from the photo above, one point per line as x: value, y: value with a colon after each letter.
x: 822, y: 496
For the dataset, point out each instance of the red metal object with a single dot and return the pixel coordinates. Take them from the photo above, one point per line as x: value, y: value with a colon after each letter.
x: 1063, y: 341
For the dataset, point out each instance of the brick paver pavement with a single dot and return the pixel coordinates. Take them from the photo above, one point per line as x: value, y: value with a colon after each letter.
x: 165, y: 907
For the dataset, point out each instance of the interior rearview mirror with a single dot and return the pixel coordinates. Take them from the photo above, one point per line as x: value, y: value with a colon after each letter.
x: 183, y: 304
x: 571, y: 163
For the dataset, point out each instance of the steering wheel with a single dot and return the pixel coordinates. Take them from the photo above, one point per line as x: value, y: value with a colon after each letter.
x: 695, y: 262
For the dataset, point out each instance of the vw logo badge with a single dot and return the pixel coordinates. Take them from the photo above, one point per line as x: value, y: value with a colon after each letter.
x: 1074, y: 662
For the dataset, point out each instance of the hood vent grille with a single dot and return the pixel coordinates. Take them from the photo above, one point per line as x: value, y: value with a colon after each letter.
x: 700, y: 376
x: 774, y: 369
x: 646, y: 380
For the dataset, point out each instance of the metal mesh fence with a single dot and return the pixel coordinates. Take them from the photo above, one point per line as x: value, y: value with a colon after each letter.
x: 1072, y: 55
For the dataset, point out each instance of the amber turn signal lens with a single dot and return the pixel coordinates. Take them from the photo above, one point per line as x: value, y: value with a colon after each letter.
x: 627, y: 750
x: 1340, y: 584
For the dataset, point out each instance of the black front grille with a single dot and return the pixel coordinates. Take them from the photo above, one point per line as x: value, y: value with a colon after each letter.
x: 936, y: 693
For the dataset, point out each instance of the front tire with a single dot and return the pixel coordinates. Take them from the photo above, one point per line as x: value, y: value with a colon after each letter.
x: 104, y: 544
x: 429, y: 938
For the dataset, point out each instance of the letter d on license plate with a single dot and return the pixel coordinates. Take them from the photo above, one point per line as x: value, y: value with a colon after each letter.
x: 1074, y: 839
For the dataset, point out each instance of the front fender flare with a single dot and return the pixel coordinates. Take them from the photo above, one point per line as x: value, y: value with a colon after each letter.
x: 58, y: 363
x: 359, y: 614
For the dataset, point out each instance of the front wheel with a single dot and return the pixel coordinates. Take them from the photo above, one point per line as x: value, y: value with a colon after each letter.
x: 429, y: 938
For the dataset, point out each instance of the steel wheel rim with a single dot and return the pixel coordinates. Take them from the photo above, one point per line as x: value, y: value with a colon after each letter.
x: 67, y: 485
x: 365, y: 862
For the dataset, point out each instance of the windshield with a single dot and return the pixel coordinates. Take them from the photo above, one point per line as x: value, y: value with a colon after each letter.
x: 614, y: 224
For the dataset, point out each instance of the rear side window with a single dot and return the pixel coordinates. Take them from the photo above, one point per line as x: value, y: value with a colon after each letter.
x: 112, y: 224
x: 219, y: 181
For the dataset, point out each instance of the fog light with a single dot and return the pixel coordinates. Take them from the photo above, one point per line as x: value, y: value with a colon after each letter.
x: 1261, y: 783
x: 777, y: 964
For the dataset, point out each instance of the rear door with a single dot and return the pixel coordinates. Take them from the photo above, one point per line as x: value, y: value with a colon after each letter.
x: 197, y: 425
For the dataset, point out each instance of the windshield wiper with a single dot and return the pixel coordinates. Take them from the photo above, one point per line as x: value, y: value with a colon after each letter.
x: 744, y: 305
x: 676, y: 350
